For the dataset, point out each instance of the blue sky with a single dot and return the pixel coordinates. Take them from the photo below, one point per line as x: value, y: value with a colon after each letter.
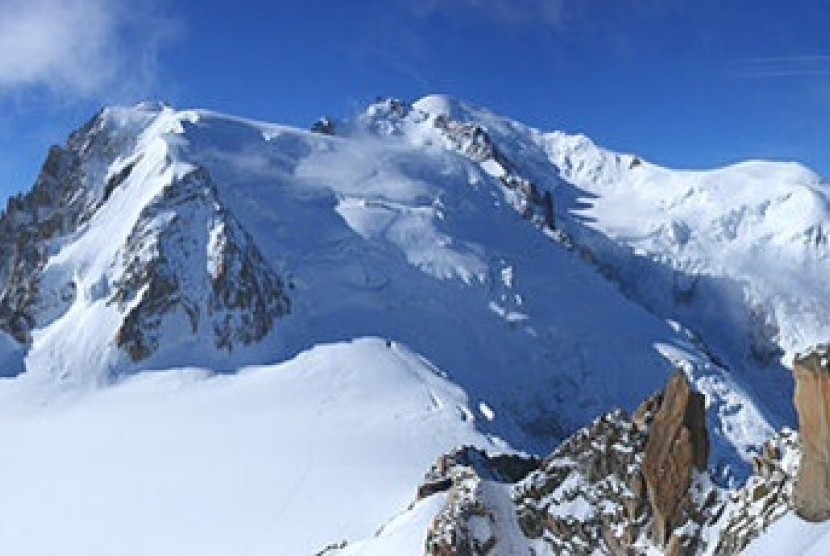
x: 684, y: 84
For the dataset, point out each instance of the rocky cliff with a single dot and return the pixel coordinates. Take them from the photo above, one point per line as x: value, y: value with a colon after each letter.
x: 626, y: 482
x: 624, y: 485
x: 116, y: 230
x: 677, y: 445
x: 233, y: 293
x: 812, y: 399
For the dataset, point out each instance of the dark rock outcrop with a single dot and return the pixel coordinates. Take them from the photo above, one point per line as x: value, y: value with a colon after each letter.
x: 589, y: 493
x: 623, y: 480
x: 812, y: 400
x: 475, y: 143
x: 610, y: 487
x: 505, y: 468
x: 54, y: 207
x: 188, y: 266
x: 200, y: 264
x: 465, y: 526
x: 66, y: 194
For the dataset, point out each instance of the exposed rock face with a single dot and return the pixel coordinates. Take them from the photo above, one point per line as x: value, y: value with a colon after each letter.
x: 188, y: 268
x: 597, y: 493
x: 507, y: 468
x: 50, y: 210
x: 745, y: 514
x: 324, y: 126
x: 467, y: 526
x: 474, y: 142
x: 812, y: 400
x: 69, y: 189
x: 464, y: 526
x: 589, y: 493
x: 188, y: 257
x: 603, y: 490
x: 469, y: 139
x: 677, y: 444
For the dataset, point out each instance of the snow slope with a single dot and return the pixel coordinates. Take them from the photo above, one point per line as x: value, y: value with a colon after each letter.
x: 272, y: 460
x: 792, y: 535
x: 405, y: 227
x: 403, y: 535
x: 738, y: 254
x: 757, y: 230
x: 760, y: 226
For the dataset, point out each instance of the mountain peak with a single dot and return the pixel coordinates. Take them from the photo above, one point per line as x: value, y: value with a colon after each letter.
x: 438, y: 205
x: 122, y: 231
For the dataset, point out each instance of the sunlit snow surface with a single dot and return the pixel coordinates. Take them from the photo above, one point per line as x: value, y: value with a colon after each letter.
x: 279, y: 459
x: 792, y: 535
x: 387, y: 235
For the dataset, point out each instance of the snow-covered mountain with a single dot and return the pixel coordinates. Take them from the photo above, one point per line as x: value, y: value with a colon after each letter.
x: 539, y: 278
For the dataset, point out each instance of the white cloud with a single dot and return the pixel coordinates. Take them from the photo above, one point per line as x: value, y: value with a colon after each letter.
x: 84, y: 48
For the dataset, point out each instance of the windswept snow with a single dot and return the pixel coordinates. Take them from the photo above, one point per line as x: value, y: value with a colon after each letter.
x: 792, y: 535
x: 758, y: 226
x: 381, y: 237
x: 279, y: 459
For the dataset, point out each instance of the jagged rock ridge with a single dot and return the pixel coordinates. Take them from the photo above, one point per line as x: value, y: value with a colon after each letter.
x: 72, y: 185
x: 604, y: 491
x: 234, y: 292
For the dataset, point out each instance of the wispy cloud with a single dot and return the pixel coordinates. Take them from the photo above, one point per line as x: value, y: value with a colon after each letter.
x: 804, y: 65
x: 81, y: 48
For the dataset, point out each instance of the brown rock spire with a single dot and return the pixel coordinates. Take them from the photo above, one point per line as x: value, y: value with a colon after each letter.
x: 678, y: 442
x: 812, y: 400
